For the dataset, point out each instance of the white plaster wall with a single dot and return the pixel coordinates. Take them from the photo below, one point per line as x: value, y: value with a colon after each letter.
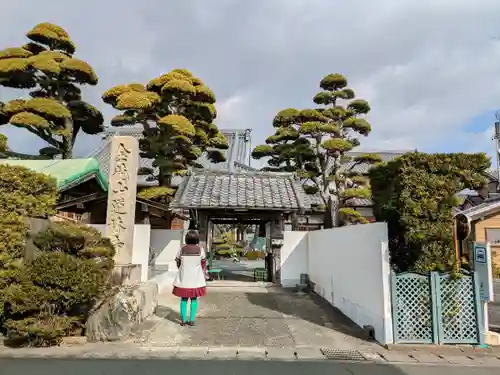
x: 140, y: 254
x: 350, y: 266
x: 140, y: 251
x: 294, y: 257
x: 166, y: 243
x: 350, y: 269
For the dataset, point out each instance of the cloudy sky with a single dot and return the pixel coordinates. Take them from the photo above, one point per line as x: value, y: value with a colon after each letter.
x: 430, y: 69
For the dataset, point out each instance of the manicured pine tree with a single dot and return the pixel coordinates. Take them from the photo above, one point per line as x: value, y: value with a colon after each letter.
x: 314, y: 143
x: 47, y: 69
x: 176, y: 111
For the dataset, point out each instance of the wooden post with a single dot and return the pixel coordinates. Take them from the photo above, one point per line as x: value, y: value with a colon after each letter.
x: 456, y: 245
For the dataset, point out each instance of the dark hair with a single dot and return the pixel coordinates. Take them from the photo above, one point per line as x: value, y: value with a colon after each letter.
x: 192, y: 237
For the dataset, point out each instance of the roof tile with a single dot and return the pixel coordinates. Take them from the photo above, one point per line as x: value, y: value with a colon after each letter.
x: 102, y: 152
x: 251, y: 190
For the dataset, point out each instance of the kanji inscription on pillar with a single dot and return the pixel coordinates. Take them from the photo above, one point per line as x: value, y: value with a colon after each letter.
x: 122, y: 191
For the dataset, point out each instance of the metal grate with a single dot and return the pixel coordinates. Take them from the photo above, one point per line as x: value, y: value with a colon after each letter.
x: 343, y: 354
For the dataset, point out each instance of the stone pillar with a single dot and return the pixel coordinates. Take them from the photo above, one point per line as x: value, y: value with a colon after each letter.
x: 120, y: 218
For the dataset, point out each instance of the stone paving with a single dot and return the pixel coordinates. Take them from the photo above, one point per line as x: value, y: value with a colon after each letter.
x: 253, y: 315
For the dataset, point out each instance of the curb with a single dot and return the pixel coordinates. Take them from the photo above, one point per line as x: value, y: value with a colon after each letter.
x: 127, y: 351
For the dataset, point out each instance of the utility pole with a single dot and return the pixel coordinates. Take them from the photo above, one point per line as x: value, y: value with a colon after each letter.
x: 496, y: 138
x: 248, y: 139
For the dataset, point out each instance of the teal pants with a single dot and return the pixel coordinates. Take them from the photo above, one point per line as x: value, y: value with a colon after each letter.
x: 192, y: 311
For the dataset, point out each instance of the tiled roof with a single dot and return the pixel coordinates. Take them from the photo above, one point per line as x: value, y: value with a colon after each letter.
x: 386, y: 156
x: 204, y: 189
x: 363, y: 168
x: 359, y: 202
x: 317, y: 200
x: 492, y: 175
x: 236, y: 141
x: 489, y: 206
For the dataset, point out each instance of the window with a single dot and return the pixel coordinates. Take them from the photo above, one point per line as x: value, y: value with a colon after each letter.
x: 493, y: 236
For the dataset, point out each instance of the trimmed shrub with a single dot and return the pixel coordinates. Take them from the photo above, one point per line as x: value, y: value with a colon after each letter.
x: 50, y: 297
x: 23, y: 194
x: 415, y: 195
x: 71, y: 272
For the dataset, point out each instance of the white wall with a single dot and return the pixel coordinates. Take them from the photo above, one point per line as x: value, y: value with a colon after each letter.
x: 350, y: 269
x: 294, y: 258
x: 140, y: 252
x: 166, y: 243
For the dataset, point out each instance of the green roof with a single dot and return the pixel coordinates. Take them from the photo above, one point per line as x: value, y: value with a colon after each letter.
x: 68, y: 172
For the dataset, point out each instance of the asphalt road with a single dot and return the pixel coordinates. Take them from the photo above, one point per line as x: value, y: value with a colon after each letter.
x: 240, y: 367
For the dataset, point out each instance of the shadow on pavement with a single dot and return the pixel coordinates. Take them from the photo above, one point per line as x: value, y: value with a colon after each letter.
x: 309, y: 307
x: 168, y: 313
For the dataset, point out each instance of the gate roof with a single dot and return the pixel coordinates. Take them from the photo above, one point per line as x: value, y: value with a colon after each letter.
x: 251, y: 190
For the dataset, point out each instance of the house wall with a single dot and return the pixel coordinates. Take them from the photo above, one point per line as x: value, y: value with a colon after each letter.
x: 177, y: 224
x: 349, y: 267
x: 490, y: 222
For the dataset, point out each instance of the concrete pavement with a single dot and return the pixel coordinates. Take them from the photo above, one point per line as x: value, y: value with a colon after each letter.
x: 494, y: 308
x: 228, y: 367
x: 442, y: 356
x: 253, y: 315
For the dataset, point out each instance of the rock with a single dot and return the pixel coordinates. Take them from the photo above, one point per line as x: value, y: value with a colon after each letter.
x: 115, y: 319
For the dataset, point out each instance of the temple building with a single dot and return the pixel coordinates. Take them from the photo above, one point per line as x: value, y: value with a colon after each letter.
x: 238, y: 158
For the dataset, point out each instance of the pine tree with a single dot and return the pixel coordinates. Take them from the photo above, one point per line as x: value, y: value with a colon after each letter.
x: 55, y: 112
x: 177, y: 112
x: 314, y: 143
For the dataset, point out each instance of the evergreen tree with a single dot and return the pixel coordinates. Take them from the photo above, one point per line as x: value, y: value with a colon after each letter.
x: 415, y: 195
x: 314, y: 143
x: 177, y: 112
x: 55, y: 112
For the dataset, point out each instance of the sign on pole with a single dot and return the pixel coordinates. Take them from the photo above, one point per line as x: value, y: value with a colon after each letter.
x: 482, y: 266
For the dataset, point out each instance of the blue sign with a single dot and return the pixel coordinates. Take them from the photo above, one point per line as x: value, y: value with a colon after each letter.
x: 480, y: 254
x: 482, y: 266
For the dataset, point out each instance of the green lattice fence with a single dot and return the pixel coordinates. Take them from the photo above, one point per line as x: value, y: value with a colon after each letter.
x: 435, y: 308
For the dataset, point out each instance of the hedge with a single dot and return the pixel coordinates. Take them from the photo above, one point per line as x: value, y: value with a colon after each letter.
x: 23, y: 194
x: 415, y: 194
x: 50, y: 297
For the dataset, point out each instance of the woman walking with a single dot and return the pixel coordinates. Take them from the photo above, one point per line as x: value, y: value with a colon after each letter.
x: 189, y: 284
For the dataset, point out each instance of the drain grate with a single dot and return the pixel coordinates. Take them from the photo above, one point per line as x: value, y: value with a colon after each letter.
x: 343, y: 354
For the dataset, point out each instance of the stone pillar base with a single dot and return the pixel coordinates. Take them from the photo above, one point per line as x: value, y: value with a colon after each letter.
x: 127, y: 274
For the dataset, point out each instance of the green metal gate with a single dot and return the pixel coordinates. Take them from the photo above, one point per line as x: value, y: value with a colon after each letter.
x: 436, y: 308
